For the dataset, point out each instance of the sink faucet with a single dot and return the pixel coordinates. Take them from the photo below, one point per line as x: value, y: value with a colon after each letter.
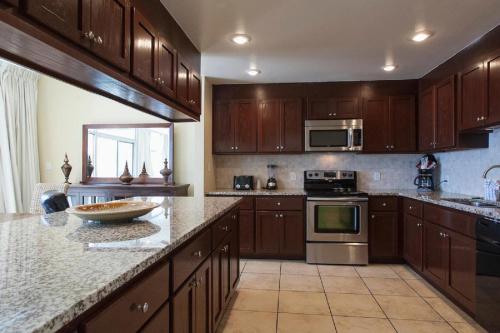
x: 496, y: 191
x: 485, y: 174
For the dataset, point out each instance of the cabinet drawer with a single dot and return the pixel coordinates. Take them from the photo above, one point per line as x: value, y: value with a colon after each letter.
x: 383, y: 204
x: 186, y: 260
x: 160, y: 322
x: 223, y: 227
x: 134, y: 307
x: 452, y: 219
x: 248, y: 203
x: 279, y: 203
x: 413, y: 207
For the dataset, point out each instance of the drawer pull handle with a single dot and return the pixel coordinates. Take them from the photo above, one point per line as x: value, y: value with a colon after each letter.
x: 197, y: 254
x: 141, y: 307
x: 234, y: 217
x: 224, y: 249
x: 419, y: 225
x: 224, y: 228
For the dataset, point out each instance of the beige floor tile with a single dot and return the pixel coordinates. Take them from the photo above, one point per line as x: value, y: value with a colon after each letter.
x: 300, y: 283
x: 423, y: 288
x: 302, y: 323
x: 263, y: 266
x: 362, y: 325
x: 385, y: 286
x: 259, y: 281
x: 418, y: 326
x: 248, y: 322
x: 447, y: 311
x: 255, y: 300
x: 381, y: 271
x: 405, y: 272
x: 344, y: 285
x: 303, y: 302
x: 467, y: 328
x: 404, y: 307
x: 354, y: 305
x: 298, y: 268
x: 336, y: 270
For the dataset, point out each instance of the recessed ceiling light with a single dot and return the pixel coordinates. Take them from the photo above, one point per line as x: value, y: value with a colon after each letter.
x: 253, y: 71
x: 421, y: 36
x: 389, y: 68
x: 241, y: 39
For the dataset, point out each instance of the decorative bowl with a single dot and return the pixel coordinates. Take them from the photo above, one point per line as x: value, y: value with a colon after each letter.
x: 113, y: 210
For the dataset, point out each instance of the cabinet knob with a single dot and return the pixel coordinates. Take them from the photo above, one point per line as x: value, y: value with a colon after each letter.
x: 98, y: 40
x: 410, y: 207
x: 330, y: 114
x: 282, y: 147
x: 232, y: 148
x: 224, y: 249
x: 89, y: 35
x: 392, y: 146
x: 384, y: 204
x: 236, y: 148
x: 141, y: 307
x: 281, y: 215
x: 278, y: 203
x: 387, y: 147
x: 197, y: 254
x: 277, y: 215
x: 225, y: 228
x: 419, y: 225
x: 277, y: 147
x: 373, y: 216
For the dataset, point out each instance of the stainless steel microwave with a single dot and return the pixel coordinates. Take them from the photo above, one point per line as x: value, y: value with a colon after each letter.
x: 334, y: 135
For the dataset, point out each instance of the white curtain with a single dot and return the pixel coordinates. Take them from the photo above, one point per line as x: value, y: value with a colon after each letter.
x: 19, y: 165
x: 143, y: 144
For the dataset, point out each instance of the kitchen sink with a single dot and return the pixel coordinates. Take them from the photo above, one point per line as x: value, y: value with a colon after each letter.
x: 473, y: 202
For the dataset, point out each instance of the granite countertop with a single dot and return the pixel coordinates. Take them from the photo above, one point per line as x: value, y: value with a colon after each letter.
x: 243, y: 193
x: 55, y: 267
x: 438, y: 199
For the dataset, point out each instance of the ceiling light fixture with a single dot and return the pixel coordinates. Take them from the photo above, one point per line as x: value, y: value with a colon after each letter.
x: 421, y: 36
x: 253, y: 71
x: 241, y: 39
x: 389, y: 68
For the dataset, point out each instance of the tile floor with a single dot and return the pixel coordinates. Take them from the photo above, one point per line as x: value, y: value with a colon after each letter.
x: 290, y: 296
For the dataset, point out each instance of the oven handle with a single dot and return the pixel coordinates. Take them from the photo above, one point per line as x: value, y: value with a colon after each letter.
x: 342, y: 199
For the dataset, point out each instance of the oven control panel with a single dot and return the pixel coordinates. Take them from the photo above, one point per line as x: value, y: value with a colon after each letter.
x: 329, y: 174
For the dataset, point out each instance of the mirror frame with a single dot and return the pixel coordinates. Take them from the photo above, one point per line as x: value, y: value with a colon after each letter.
x: 115, y: 180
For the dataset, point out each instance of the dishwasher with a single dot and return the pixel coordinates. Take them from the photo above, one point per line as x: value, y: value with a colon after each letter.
x: 488, y: 274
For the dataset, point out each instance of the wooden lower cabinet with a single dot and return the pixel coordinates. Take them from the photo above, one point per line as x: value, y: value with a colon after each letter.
x: 435, y: 254
x: 413, y: 241
x: 160, y: 323
x: 247, y: 232
x: 292, y: 234
x: 268, y: 229
x: 383, y: 235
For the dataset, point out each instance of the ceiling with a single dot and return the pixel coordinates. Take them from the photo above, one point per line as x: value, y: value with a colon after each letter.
x: 329, y: 40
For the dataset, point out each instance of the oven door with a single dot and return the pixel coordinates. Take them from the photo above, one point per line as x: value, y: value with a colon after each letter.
x: 337, y: 220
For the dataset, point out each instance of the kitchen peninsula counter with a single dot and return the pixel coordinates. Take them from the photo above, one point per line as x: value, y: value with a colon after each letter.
x: 54, y: 268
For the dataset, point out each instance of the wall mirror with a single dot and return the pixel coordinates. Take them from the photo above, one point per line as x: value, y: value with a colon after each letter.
x: 106, y: 148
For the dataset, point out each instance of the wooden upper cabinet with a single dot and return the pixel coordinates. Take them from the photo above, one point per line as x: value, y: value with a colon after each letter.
x: 319, y: 108
x: 268, y: 127
x: 426, y: 119
x: 245, y: 126
x: 292, y: 126
x: 492, y: 66
x: 223, y: 128
x: 403, y: 123
x: 110, y: 24
x: 376, y: 126
x: 167, y: 67
x: 182, y: 82
x: 445, y: 131
x: 194, y: 92
x: 69, y: 18
x: 472, y: 97
x: 333, y: 108
x: 144, y: 45
x: 346, y: 108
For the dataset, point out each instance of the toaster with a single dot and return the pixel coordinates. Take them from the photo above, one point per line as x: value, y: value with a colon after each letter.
x: 243, y: 182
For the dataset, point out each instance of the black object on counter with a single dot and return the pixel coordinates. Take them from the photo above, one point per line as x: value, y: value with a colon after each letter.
x: 243, y: 182
x: 53, y: 202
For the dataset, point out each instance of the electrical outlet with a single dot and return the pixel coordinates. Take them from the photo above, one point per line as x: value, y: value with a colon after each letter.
x: 446, y: 179
x: 376, y: 176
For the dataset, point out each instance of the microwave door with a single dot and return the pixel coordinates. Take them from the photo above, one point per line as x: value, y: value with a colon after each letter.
x: 327, y: 139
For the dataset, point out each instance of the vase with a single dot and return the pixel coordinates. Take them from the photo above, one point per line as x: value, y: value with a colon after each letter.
x: 165, y: 172
x: 126, y: 178
x: 66, y: 169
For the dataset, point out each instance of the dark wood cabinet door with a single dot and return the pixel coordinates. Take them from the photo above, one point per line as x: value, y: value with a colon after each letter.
x: 462, y: 268
x: 413, y: 239
x: 435, y: 254
x: 110, y: 23
x: 144, y: 49
x: 268, y: 126
x: 319, y: 108
x: 247, y: 233
x: 223, y: 128
x: 184, y: 307
x: 194, y: 92
x: 217, y: 275
x: 346, y: 108
x: 267, y: 235
x: 292, y: 126
x: 493, y: 75
x: 426, y: 120
x: 376, y: 125
x: 445, y: 114
x: 292, y: 241
x: 203, y: 302
x: 167, y: 68
x: 472, y: 97
x: 383, y: 235
x: 182, y: 81
x: 234, y: 259
x: 160, y: 323
x: 403, y: 124
x: 245, y: 126
x: 68, y: 18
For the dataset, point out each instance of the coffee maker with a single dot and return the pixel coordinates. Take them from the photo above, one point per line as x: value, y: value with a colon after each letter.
x: 425, y: 179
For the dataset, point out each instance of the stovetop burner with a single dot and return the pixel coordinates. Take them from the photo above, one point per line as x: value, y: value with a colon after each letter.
x: 333, y: 194
x: 331, y: 183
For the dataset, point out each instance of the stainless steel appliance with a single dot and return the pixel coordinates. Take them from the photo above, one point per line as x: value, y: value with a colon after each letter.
x: 488, y: 274
x: 334, y: 135
x: 337, y: 218
x: 243, y: 182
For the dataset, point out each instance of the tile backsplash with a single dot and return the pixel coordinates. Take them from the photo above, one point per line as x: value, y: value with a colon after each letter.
x: 374, y: 171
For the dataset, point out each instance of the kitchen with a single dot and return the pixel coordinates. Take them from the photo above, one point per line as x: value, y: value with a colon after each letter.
x: 297, y: 183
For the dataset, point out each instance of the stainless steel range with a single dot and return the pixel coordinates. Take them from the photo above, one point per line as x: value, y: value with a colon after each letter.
x: 337, y: 218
